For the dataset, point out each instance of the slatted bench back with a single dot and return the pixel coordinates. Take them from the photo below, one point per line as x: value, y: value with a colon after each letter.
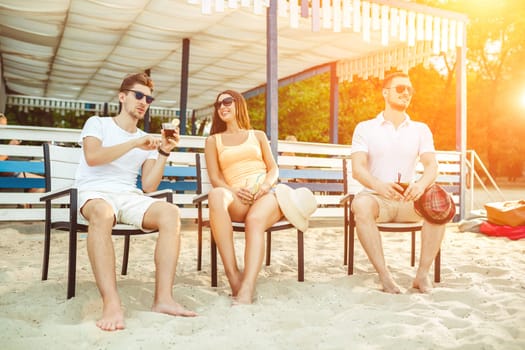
x: 179, y: 174
x: 319, y: 167
x: 449, y: 176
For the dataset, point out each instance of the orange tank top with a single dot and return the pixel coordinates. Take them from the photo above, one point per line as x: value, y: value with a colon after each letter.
x: 242, y: 165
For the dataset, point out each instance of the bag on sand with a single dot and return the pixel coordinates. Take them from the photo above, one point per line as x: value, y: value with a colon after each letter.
x: 511, y: 213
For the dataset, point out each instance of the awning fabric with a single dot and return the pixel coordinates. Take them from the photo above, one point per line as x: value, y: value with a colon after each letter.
x: 81, y: 49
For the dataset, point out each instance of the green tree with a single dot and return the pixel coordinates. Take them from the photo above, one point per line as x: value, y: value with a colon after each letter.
x: 304, y: 110
x: 496, y: 75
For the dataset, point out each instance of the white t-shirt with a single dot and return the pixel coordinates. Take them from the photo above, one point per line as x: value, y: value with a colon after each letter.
x: 121, y: 174
x: 391, y: 151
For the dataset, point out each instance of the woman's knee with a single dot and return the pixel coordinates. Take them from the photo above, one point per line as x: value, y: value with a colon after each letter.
x: 252, y: 218
x: 217, y: 196
x: 261, y: 220
x: 219, y: 199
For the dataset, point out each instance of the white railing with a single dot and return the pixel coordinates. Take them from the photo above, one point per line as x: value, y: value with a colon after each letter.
x: 61, y: 105
x: 474, y: 178
x: 11, y: 202
x: 476, y: 171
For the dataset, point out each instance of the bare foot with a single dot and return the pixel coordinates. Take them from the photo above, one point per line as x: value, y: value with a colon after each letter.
x: 241, y: 301
x: 244, y: 297
x: 112, y: 318
x: 423, y: 283
x: 389, y: 285
x: 235, y: 283
x: 172, y: 308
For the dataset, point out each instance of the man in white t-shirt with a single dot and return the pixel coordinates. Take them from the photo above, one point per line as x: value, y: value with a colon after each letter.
x: 385, y: 151
x: 114, y: 152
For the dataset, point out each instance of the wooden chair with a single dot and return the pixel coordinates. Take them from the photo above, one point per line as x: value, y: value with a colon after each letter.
x: 60, y: 167
x: 349, y: 225
x: 318, y: 167
x: 203, y: 187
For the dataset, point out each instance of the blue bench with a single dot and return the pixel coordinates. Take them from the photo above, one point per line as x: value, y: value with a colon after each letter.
x: 20, y: 166
x: 179, y: 179
x: 179, y: 176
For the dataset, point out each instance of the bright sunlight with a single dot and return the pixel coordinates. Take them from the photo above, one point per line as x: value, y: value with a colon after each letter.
x: 522, y: 99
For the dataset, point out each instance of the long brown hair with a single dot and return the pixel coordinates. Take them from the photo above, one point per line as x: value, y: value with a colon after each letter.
x: 241, y: 113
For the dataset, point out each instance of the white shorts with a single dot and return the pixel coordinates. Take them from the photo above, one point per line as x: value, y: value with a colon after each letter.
x: 129, y: 207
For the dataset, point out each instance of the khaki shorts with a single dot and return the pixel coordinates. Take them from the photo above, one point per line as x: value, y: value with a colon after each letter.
x: 393, y: 211
x: 129, y: 207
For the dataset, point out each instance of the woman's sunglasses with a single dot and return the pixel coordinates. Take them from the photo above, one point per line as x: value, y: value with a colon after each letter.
x: 227, y: 102
x: 139, y: 95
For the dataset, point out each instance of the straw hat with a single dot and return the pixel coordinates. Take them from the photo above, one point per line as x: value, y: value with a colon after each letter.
x: 435, y: 205
x: 297, y: 205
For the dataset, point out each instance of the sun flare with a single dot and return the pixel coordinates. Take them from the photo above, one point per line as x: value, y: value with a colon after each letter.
x: 522, y: 99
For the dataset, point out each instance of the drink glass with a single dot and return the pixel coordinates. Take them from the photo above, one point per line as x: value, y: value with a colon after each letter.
x: 404, y: 185
x: 169, y: 130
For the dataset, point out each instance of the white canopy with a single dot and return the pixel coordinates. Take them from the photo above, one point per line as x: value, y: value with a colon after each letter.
x: 81, y: 49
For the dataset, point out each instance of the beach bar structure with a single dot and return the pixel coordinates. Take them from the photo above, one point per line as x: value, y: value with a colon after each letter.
x: 81, y: 49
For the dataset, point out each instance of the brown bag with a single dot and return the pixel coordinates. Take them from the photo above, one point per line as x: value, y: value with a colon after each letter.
x: 510, y: 213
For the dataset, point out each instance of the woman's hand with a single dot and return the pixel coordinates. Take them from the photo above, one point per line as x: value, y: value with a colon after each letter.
x: 245, y: 195
x: 249, y: 195
x: 261, y: 191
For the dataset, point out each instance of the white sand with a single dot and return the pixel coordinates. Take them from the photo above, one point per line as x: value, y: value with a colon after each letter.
x: 480, y: 303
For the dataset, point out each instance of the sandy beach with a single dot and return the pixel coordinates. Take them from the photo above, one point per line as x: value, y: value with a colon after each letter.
x: 480, y: 303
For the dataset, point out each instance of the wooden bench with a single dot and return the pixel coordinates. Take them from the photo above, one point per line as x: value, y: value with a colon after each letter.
x: 179, y: 174
x: 15, y: 167
x: 14, y: 191
x: 319, y: 167
x: 449, y: 178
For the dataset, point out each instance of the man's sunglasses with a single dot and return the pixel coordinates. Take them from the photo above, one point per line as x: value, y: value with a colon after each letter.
x: 139, y: 95
x: 227, y: 102
x: 401, y: 88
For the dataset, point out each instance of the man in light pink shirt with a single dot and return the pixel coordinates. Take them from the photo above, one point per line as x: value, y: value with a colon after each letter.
x: 385, y: 151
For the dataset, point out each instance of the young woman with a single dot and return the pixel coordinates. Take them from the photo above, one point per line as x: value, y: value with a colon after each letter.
x: 242, y: 171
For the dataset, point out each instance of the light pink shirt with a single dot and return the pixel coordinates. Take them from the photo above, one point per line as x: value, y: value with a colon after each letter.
x: 391, y: 151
